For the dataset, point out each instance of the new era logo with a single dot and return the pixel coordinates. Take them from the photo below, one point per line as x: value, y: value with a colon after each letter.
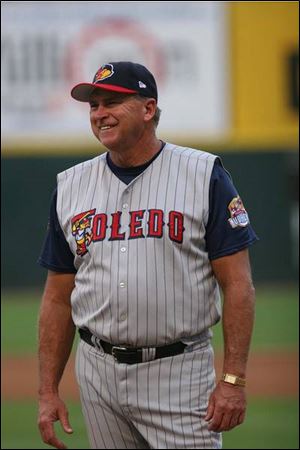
x: 142, y: 85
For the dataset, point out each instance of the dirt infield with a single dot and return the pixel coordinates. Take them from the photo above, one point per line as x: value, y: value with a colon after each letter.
x: 269, y: 374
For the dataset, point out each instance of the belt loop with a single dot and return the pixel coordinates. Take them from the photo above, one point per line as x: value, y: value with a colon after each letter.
x: 148, y: 354
x: 97, y: 343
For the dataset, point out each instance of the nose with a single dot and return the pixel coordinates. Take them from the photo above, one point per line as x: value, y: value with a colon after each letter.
x: 100, y: 112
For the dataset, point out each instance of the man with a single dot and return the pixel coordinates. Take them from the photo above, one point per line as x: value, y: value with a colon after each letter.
x: 139, y: 240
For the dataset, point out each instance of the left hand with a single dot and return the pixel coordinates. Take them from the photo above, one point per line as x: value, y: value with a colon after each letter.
x: 226, y: 407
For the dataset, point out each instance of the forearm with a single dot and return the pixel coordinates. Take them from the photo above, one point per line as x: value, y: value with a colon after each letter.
x: 56, y: 336
x: 238, y: 319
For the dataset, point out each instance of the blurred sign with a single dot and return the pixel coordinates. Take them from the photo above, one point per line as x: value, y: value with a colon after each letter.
x: 265, y: 67
x: 293, y: 70
x: 47, y: 47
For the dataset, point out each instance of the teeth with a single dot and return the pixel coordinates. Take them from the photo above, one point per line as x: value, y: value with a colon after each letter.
x: 105, y: 128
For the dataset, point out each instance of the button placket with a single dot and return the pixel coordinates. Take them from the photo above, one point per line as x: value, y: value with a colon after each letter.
x: 125, y: 218
x: 123, y: 316
x: 123, y: 263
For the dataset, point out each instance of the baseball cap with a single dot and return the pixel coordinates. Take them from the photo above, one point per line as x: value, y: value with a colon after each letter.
x: 123, y: 76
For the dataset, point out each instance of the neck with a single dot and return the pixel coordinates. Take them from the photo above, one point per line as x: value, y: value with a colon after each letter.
x: 137, y: 155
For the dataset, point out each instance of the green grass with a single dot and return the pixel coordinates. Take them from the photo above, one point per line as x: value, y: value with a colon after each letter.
x: 270, y: 424
x: 19, y: 322
x: 19, y: 312
x: 276, y: 324
x: 19, y: 426
x: 277, y: 320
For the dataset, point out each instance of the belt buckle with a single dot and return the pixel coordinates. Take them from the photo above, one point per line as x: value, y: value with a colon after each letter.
x: 116, y: 348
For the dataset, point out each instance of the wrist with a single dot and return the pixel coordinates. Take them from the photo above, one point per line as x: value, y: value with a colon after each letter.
x: 233, y: 379
x: 42, y: 392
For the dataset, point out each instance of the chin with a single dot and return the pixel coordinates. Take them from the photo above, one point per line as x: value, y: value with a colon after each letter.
x: 109, y: 143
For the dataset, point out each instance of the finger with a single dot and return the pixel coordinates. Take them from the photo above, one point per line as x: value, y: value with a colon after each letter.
x: 215, y: 422
x: 241, y: 418
x: 225, y: 423
x: 234, y: 421
x: 49, y: 436
x: 64, y: 420
x: 54, y: 442
x: 210, y: 411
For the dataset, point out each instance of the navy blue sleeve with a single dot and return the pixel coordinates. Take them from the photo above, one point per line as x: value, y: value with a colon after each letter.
x: 228, y: 229
x: 56, y: 254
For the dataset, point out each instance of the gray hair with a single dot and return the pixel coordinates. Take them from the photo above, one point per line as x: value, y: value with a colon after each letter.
x: 157, y: 114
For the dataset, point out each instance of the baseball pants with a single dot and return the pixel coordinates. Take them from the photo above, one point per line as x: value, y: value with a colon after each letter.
x: 158, y: 404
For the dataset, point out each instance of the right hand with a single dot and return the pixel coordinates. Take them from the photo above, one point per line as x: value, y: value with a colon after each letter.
x: 51, y: 409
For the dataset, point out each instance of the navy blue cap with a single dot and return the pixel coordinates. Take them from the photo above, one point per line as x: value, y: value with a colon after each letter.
x: 123, y: 76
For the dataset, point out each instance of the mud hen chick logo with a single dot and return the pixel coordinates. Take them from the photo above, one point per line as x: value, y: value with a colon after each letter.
x: 81, y: 230
x: 104, y: 72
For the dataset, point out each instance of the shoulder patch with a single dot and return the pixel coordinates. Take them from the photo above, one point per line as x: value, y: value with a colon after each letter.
x: 238, y: 214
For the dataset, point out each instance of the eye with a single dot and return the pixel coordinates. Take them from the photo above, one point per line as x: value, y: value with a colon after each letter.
x: 112, y: 102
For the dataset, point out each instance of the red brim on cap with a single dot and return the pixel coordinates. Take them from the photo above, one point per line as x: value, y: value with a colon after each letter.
x: 83, y: 91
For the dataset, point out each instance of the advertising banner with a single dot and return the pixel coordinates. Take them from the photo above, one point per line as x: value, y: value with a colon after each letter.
x: 48, y: 47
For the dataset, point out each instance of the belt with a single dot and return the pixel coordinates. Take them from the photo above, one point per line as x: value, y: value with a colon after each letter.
x: 127, y: 355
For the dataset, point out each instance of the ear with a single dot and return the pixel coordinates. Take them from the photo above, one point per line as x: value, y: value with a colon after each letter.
x: 149, y: 109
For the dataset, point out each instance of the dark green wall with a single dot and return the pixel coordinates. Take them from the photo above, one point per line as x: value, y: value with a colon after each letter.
x: 266, y: 181
x: 27, y: 184
x: 268, y: 185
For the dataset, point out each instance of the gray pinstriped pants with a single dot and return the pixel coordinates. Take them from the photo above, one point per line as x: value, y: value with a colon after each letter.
x: 158, y: 404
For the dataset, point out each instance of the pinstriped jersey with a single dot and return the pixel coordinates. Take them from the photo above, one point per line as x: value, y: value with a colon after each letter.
x: 143, y: 274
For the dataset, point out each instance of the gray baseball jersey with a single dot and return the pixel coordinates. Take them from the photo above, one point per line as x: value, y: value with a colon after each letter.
x: 143, y: 275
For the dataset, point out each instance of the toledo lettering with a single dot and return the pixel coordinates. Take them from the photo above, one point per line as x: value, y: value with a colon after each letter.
x: 89, y: 227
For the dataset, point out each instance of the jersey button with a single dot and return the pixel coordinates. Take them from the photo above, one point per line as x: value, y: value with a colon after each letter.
x: 123, y: 317
x: 123, y: 249
x: 125, y: 206
x: 122, y: 284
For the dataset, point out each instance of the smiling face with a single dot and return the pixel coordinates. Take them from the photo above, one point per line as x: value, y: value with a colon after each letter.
x: 120, y: 121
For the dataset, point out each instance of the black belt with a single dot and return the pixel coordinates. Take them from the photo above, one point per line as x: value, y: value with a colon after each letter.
x: 127, y: 355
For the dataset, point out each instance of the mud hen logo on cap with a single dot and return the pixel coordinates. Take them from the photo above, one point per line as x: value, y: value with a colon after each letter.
x: 104, y: 72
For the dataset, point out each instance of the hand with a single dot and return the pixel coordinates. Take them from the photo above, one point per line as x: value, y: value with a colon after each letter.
x: 51, y: 409
x: 226, y: 407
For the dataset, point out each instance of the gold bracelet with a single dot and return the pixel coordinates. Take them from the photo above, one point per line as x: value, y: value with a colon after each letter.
x: 233, y: 379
